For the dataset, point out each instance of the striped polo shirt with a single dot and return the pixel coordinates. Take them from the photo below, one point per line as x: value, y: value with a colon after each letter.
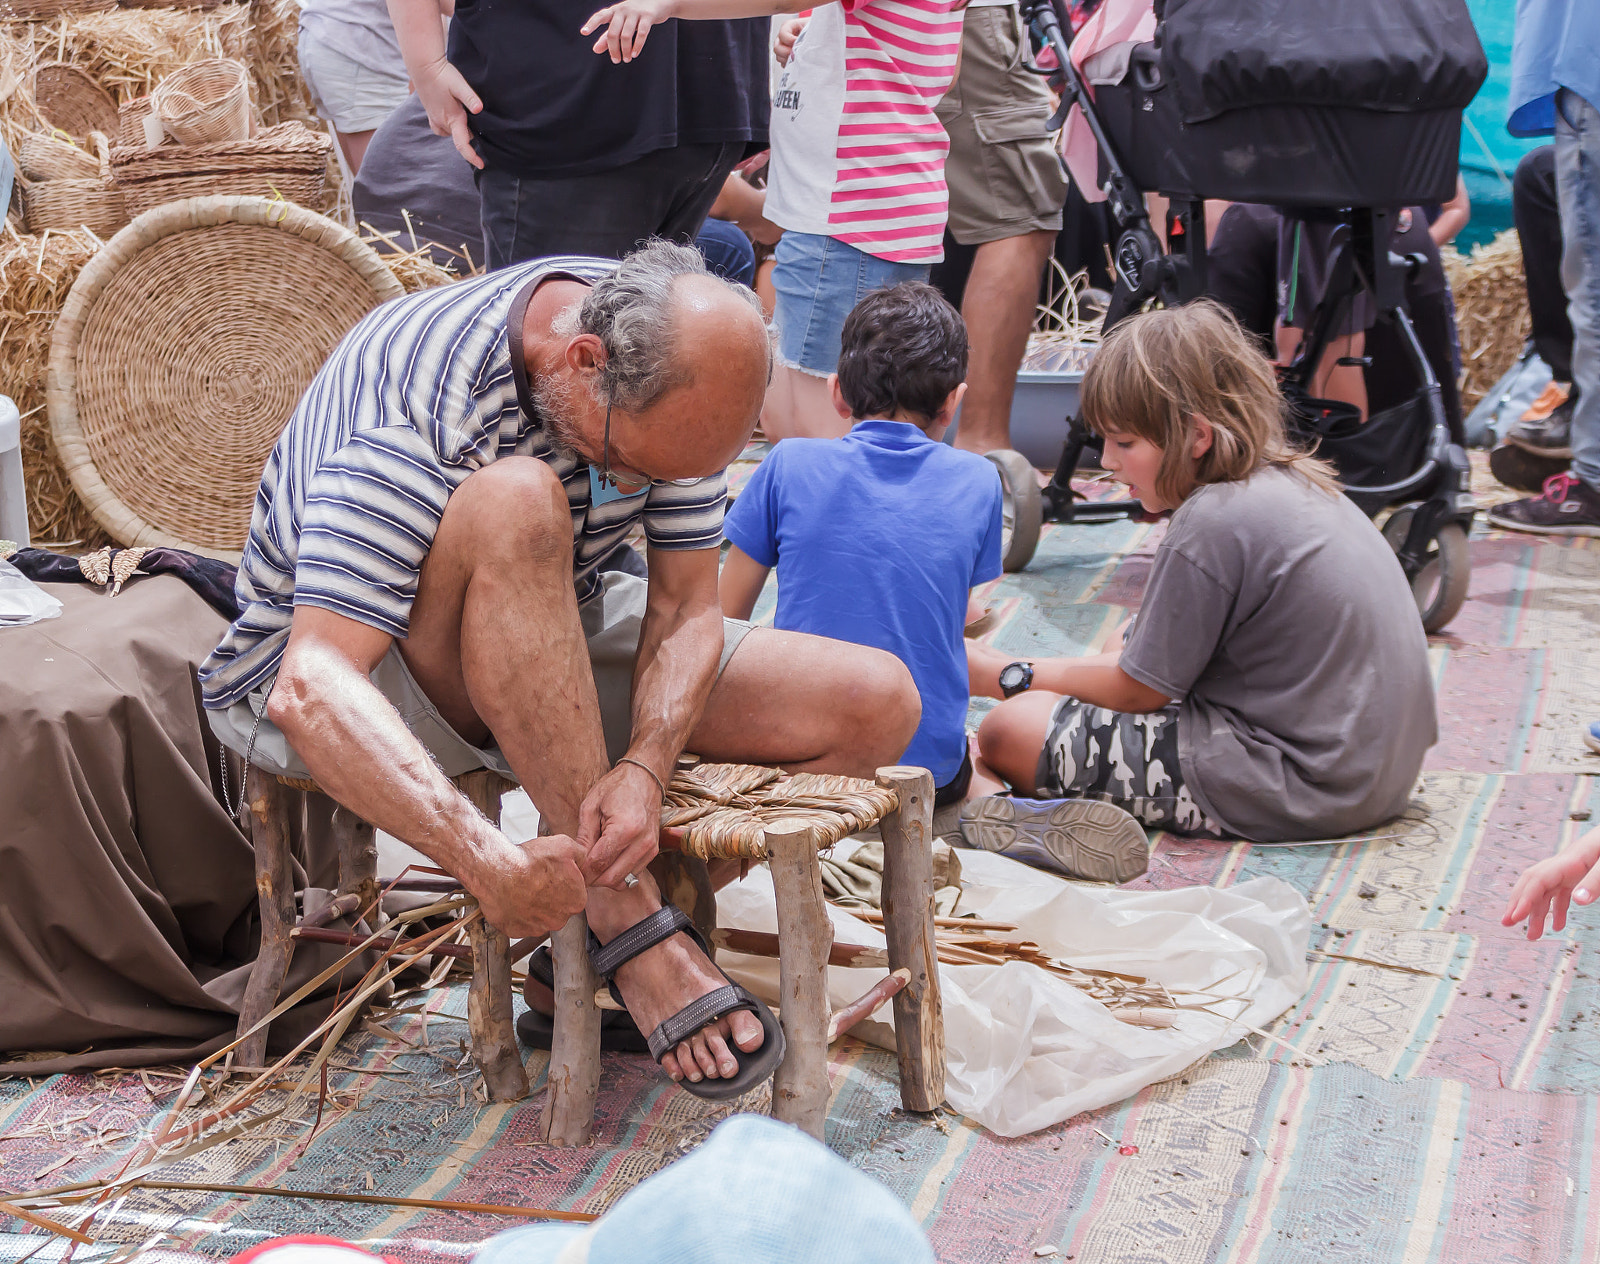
x: 857, y: 152
x: 416, y: 397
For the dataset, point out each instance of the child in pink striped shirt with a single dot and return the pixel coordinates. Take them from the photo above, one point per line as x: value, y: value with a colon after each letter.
x: 857, y: 176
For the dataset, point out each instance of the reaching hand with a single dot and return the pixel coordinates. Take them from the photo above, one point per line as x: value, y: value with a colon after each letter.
x: 448, y: 99
x: 783, y: 42
x: 533, y: 887
x: 619, y: 826
x: 1549, y: 886
x: 627, y: 25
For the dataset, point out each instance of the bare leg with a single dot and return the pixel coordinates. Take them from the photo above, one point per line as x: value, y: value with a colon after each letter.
x: 353, y: 145
x: 497, y: 645
x: 1331, y: 380
x: 799, y: 404
x: 809, y: 704
x: 999, y: 303
x: 1012, y: 736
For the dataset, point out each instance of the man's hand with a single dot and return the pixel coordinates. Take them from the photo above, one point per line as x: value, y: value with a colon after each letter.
x: 627, y: 25
x: 1548, y: 887
x: 619, y: 826
x: 533, y: 887
x: 783, y: 42
x: 448, y: 99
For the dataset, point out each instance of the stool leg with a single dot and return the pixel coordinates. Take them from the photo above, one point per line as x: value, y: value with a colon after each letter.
x: 685, y: 881
x: 575, y: 1040
x: 494, y: 1039
x: 493, y: 1035
x: 800, y: 1087
x: 358, y: 862
x: 267, y: 815
x: 908, y: 926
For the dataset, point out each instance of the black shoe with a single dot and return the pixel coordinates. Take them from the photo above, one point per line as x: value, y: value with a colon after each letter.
x: 1548, y: 436
x: 1568, y: 506
x: 1523, y: 470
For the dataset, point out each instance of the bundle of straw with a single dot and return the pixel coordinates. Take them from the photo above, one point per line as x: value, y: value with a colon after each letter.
x: 1491, y: 311
x: 126, y: 51
x: 35, y: 275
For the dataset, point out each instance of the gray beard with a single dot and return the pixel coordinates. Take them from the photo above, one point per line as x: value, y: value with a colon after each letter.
x: 556, y: 400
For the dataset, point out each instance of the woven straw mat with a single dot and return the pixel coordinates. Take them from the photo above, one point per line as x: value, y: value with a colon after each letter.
x: 181, y: 351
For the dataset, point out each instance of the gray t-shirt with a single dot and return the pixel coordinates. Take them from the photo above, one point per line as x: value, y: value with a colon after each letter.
x: 1282, y: 619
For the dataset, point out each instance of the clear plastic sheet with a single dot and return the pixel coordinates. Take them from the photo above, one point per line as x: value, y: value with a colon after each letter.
x: 1026, y: 1049
x: 22, y: 601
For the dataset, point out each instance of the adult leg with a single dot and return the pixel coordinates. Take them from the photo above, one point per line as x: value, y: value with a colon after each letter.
x: 1578, y: 185
x: 497, y: 644
x: 1536, y: 210
x: 809, y: 704
x: 353, y: 145
x: 998, y: 307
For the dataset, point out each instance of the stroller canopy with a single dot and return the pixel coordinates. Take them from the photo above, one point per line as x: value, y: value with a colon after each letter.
x: 1389, y: 56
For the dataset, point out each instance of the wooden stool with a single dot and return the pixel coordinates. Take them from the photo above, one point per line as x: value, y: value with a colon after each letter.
x: 746, y: 812
x: 266, y: 820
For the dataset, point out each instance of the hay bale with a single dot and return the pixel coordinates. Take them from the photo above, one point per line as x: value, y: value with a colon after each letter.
x: 35, y: 275
x: 1491, y: 311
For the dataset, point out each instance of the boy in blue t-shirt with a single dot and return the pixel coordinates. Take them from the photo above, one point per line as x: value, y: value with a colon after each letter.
x: 879, y: 536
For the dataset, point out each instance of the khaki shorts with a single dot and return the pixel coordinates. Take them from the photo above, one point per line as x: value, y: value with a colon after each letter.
x: 611, y: 624
x: 1004, y: 176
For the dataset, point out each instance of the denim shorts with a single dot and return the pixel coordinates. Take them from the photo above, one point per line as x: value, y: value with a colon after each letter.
x: 818, y: 280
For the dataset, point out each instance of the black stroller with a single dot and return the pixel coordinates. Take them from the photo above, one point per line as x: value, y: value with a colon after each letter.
x: 1248, y: 101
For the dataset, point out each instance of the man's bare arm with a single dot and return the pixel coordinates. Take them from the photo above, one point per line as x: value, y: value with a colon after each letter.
x: 360, y: 752
x: 680, y: 645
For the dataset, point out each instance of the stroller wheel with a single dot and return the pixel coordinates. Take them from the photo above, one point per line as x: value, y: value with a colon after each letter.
x: 1440, y: 585
x: 1022, y: 508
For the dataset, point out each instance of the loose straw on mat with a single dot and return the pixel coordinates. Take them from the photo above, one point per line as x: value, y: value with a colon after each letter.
x: 425, y: 1204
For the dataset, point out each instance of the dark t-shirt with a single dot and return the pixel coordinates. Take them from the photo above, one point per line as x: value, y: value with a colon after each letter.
x: 551, y: 107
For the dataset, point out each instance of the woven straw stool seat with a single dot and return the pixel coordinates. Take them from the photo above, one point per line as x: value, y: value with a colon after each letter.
x: 727, y: 810
x: 183, y: 348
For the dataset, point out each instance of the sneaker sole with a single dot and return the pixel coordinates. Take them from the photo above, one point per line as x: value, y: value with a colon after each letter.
x: 1555, y: 454
x: 1507, y: 524
x: 1592, y: 742
x: 1095, y: 841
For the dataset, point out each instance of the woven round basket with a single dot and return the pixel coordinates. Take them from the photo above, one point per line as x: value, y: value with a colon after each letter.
x: 205, y: 102
x: 182, y: 349
x: 68, y: 204
x: 41, y: 10
x: 44, y: 157
x: 70, y: 101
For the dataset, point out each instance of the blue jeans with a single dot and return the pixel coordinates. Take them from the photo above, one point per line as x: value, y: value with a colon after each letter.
x: 728, y: 252
x: 1578, y: 187
x: 818, y: 280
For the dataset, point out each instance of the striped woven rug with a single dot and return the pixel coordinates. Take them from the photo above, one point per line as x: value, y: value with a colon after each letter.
x: 1431, y: 1098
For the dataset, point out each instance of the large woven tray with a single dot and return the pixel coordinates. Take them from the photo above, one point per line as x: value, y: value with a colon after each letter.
x: 181, y: 351
x: 289, y: 161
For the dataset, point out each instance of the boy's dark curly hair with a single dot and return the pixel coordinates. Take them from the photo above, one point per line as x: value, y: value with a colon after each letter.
x: 903, y: 348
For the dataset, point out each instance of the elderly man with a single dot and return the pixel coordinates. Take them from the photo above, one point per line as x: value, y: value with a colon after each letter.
x: 421, y: 597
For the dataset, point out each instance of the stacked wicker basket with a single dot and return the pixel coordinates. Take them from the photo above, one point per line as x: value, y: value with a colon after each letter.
x: 64, y: 186
x: 195, y: 136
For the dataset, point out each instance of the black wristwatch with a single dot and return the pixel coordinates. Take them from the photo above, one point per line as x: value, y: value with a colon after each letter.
x: 1015, y: 678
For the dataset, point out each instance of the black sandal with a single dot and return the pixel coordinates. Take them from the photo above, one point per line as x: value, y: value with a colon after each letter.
x: 618, y: 1032
x: 754, y: 1067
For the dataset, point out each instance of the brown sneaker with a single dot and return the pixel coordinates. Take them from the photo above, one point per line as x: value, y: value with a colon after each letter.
x: 1567, y: 506
x: 1523, y: 470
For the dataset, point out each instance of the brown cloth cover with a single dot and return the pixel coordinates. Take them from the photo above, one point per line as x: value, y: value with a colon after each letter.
x: 127, y: 896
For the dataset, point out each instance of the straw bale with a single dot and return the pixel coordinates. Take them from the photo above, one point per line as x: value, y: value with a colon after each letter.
x: 35, y: 275
x: 1491, y: 311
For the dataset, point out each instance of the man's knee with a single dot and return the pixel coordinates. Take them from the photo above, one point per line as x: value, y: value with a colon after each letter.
x: 1012, y: 736
x: 516, y: 502
x: 880, y: 697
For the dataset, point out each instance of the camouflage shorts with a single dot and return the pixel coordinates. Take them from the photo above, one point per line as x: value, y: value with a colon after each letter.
x: 1129, y: 760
